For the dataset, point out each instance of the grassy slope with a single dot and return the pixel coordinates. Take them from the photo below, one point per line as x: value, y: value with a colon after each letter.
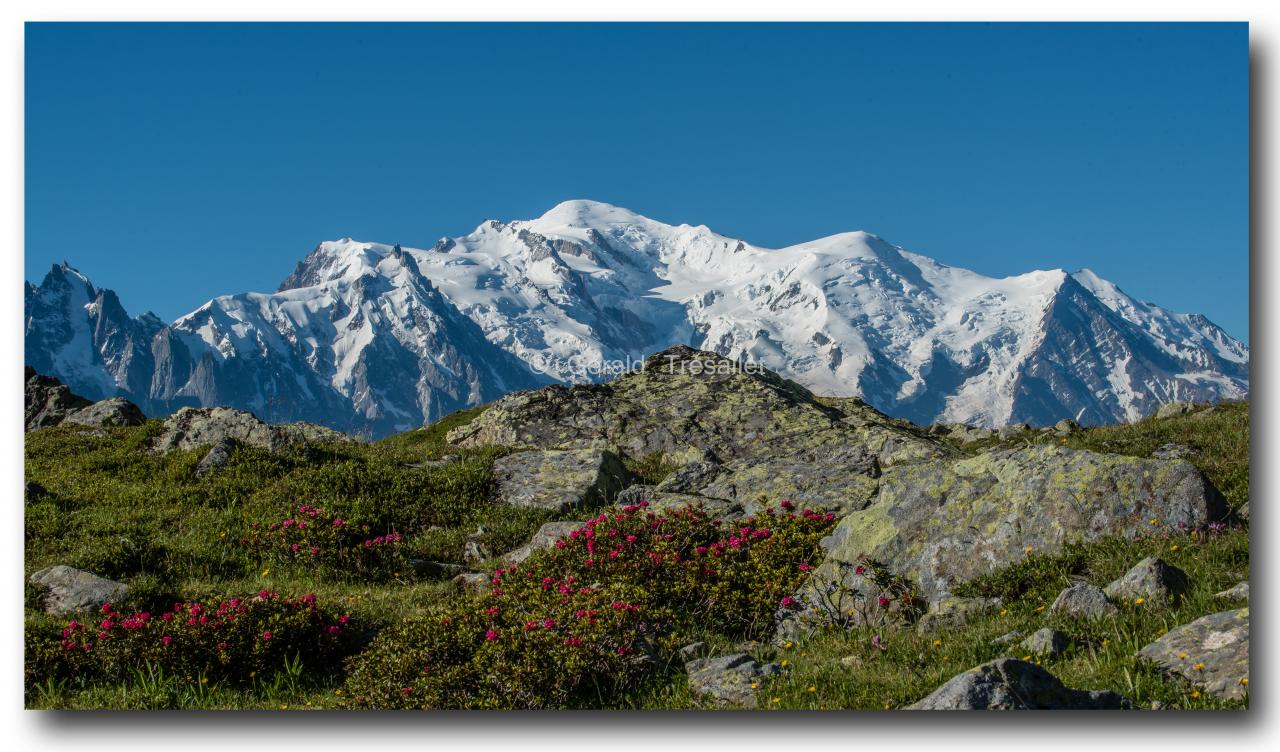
x: 121, y: 512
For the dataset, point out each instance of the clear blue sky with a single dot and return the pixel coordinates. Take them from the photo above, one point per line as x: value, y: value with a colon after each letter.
x: 174, y: 163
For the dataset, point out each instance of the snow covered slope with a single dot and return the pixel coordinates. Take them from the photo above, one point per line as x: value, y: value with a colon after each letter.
x: 373, y: 338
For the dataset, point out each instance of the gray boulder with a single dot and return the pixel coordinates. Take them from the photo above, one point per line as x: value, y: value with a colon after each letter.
x: 726, y: 680
x: 1083, y: 600
x: 559, y: 480
x: 1152, y: 580
x: 546, y: 537
x: 216, y: 458
x: 1009, y: 684
x: 193, y: 427
x: 1046, y: 642
x: 1211, y: 652
x: 108, y: 413
x: 634, y: 495
x: 70, y: 590
x: 476, y: 583
x: 48, y: 401
x: 948, y: 521
x: 1065, y: 426
x: 1240, y: 592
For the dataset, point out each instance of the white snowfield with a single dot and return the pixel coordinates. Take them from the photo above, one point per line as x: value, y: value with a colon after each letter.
x: 511, y: 305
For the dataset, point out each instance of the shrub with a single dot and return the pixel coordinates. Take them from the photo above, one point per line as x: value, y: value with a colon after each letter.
x: 319, y: 541
x: 586, y: 621
x: 233, y: 640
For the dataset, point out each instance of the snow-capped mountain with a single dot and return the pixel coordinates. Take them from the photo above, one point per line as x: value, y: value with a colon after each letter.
x: 372, y: 338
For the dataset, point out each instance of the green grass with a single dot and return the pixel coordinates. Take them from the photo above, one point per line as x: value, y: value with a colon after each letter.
x: 114, y: 508
x: 911, y: 665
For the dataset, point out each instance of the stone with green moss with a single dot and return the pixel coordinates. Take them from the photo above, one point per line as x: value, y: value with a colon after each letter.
x: 559, y: 479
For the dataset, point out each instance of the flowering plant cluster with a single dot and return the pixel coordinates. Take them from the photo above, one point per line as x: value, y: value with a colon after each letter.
x: 862, y: 594
x: 319, y: 541
x: 595, y: 615
x: 232, y: 640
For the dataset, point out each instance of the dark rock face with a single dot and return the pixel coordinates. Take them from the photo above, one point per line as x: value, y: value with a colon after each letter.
x: 726, y: 680
x: 1008, y: 684
x: 949, y: 521
x: 48, y: 401
x: 691, y: 478
x: 111, y: 412
x: 1211, y: 652
x: 72, y: 590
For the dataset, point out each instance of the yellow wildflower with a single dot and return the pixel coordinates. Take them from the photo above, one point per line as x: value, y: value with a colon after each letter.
x: 1182, y: 656
x: 1004, y: 612
x: 936, y: 643
x: 1028, y: 549
x: 788, y: 645
x: 337, y: 692
x: 1199, y: 666
x: 785, y: 662
x: 1026, y: 657
x: 1139, y: 601
x: 776, y: 700
x: 1244, y: 680
x: 755, y: 685
x: 1195, y: 695
x: 813, y: 688
x: 1174, y: 547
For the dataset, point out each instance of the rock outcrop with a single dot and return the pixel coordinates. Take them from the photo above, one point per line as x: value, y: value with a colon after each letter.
x: 546, y: 537
x: 689, y: 406
x: 1009, y: 684
x: 193, y: 427
x: 69, y: 590
x: 948, y: 521
x: 559, y: 479
x: 1211, y: 652
x: 48, y: 401
x: 108, y: 413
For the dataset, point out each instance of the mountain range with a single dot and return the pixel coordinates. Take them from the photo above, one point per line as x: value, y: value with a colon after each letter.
x: 372, y: 339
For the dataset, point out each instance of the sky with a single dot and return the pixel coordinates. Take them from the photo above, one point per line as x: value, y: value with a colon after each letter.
x: 175, y: 163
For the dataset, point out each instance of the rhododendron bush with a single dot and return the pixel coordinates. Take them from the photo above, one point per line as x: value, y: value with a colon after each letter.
x: 233, y: 640
x: 594, y: 616
x: 317, y: 540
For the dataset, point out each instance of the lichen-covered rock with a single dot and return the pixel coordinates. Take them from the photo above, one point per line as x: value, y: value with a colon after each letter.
x: 546, y: 537
x: 952, y: 611
x: 1240, y: 592
x: 193, y: 427
x: 1065, y: 426
x: 949, y: 521
x: 1009, y: 684
x: 689, y: 406
x: 726, y: 680
x: 1083, y: 600
x: 476, y: 583
x: 1211, y: 652
x: 108, y: 413
x: 840, y: 478
x: 634, y: 494
x: 1151, y: 579
x: 559, y: 479
x: 1172, y: 452
x: 1046, y: 643
x: 48, y: 401
x: 720, y: 508
x: 70, y: 590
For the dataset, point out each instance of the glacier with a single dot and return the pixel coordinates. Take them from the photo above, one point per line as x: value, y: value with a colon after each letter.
x: 372, y: 339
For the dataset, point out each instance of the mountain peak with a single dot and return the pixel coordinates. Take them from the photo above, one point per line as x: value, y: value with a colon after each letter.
x: 585, y: 213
